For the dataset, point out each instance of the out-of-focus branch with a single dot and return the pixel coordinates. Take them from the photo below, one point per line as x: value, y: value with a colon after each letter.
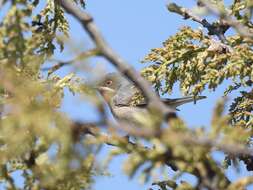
x: 1, y: 3
x: 243, y: 182
x: 217, y: 30
x: 229, y: 20
x: 94, y: 129
x: 79, y: 129
x: 229, y: 148
x: 108, y: 53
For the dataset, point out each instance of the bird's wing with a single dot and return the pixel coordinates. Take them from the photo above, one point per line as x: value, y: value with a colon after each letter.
x: 129, y: 95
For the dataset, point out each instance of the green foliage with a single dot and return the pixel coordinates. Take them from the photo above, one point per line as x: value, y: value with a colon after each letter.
x: 34, y: 126
x: 35, y: 136
x: 197, y: 62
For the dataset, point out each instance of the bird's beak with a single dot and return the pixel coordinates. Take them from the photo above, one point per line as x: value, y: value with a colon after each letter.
x: 106, y: 92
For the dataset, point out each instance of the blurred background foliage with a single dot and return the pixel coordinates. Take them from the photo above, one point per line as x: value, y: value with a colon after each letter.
x: 53, y: 152
x: 36, y: 137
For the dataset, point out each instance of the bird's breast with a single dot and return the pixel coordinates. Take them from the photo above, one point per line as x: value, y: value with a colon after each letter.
x: 128, y: 113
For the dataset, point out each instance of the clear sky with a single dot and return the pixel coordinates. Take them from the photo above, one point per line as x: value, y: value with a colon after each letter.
x: 132, y: 28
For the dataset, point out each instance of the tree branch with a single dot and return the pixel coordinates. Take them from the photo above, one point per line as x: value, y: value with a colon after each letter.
x: 108, y: 53
x: 217, y: 30
x: 79, y: 129
x: 229, y: 20
x: 230, y: 148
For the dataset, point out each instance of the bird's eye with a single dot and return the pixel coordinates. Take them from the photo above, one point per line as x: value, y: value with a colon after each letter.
x: 108, y: 83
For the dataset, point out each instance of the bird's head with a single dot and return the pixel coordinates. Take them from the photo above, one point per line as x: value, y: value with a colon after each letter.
x: 109, y: 85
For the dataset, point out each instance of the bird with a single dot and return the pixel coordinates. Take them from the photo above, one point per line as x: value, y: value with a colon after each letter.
x: 126, y: 101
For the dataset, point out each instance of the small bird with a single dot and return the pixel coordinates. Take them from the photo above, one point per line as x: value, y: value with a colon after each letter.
x: 126, y: 101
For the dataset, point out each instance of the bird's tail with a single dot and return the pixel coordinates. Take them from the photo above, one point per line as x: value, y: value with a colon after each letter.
x: 180, y: 101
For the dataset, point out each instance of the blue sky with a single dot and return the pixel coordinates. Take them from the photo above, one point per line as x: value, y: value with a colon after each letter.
x: 132, y: 28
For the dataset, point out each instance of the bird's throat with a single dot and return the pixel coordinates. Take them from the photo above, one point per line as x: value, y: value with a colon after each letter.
x: 107, y: 93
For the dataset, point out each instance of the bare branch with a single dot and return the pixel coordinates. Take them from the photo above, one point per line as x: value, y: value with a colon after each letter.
x: 217, y: 30
x: 238, y: 26
x: 108, y: 53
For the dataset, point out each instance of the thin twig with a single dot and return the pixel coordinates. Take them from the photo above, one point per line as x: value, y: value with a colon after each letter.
x: 108, y: 53
x: 83, y: 55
